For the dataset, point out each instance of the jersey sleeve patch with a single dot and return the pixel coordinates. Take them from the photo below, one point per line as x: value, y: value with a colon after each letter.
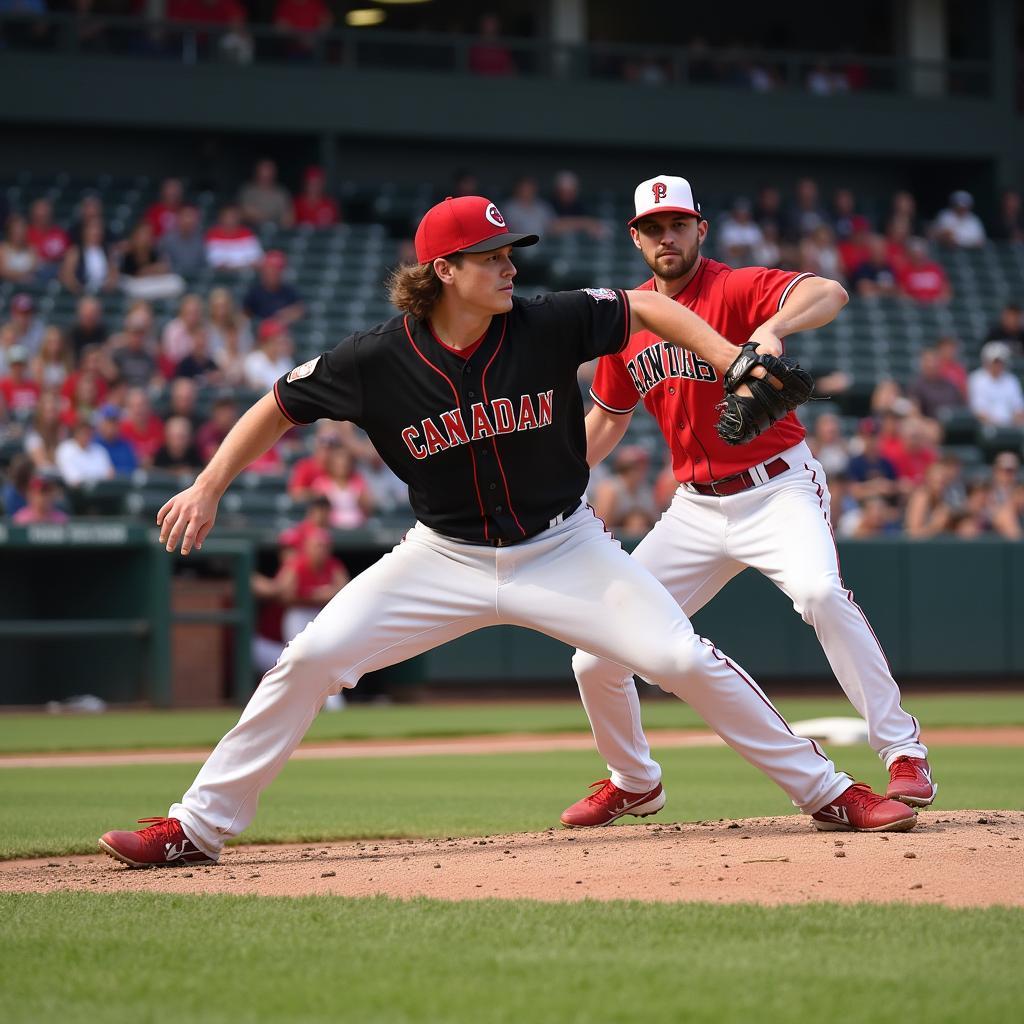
x: 327, y: 386
x: 602, y: 294
x: 302, y: 371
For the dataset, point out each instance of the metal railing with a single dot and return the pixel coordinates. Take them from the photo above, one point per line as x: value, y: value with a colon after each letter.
x: 651, y: 66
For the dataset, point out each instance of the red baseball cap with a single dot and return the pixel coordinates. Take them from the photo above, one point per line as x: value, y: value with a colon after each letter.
x: 466, y: 224
x: 270, y: 328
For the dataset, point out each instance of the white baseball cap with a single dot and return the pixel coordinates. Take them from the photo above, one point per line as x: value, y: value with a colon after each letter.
x: 993, y: 350
x: 664, y: 194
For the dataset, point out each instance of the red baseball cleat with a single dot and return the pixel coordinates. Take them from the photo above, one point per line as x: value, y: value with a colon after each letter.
x: 860, y: 810
x: 910, y: 781
x: 163, y: 844
x: 608, y: 803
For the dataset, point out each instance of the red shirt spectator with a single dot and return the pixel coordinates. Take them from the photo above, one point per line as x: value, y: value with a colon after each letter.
x: 855, y: 251
x: 20, y: 394
x: 162, y: 215
x: 313, y: 207
x: 49, y: 241
x: 18, y: 390
x: 906, y: 444
x: 296, y: 536
x: 926, y: 282
x: 921, y: 278
x: 310, y: 579
x: 230, y: 244
x: 317, y: 213
x: 912, y: 463
x: 72, y: 384
x: 302, y: 15
x: 306, y: 473
x: 895, y: 255
x: 146, y: 439
x: 318, y: 517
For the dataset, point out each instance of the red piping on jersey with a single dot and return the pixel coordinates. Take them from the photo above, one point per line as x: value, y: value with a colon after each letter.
x: 617, y: 412
x: 284, y: 412
x: 719, y: 656
x: 494, y: 440
x: 455, y: 394
x: 792, y: 284
x: 461, y: 353
x: 849, y: 593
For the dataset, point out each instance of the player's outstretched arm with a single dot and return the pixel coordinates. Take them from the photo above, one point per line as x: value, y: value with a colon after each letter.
x: 680, y: 326
x: 604, y: 431
x: 189, y: 516
x: 813, y: 302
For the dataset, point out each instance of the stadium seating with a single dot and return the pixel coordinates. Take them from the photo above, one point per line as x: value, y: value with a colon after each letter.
x: 341, y: 273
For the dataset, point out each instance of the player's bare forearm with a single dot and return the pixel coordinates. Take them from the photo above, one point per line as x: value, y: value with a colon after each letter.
x: 604, y: 431
x: 814, y: 302
x: 680, y: 326
x: 189, y: 516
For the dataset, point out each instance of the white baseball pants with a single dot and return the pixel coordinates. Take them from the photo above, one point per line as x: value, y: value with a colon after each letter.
x: 781, y: 528
x: 573, y: 582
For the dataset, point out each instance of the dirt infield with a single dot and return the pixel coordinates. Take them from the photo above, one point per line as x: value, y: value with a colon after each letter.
x: 956, y: 858
x: 506, y: 743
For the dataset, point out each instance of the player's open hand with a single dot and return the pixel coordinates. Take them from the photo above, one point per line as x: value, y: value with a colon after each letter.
x: 187, y: 518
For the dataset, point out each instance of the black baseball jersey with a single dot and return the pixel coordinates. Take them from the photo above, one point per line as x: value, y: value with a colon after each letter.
x: 491, y: 440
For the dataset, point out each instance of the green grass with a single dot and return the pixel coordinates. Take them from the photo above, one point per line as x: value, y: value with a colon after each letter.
x: 136, y: 730
x: 46, y: 811
x: 138, y: 958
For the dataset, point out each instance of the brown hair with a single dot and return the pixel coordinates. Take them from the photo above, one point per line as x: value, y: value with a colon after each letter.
x: 415, y: 289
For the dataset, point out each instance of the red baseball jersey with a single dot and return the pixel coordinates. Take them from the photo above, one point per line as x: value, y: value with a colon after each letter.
x: 681, y: 391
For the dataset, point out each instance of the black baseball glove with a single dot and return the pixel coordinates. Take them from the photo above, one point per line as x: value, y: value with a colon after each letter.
x: 785, y: 386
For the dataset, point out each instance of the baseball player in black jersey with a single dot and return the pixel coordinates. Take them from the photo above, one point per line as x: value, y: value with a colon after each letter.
x: 470, y: 396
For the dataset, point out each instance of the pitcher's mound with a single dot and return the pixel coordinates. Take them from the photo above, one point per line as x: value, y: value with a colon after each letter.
x: 959, y: 858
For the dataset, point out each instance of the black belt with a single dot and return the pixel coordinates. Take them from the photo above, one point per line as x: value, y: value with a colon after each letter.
x: 503, y: 542
x: 740, y: 481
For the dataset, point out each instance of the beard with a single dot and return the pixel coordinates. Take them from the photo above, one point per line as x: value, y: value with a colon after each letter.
x: 674, y: 266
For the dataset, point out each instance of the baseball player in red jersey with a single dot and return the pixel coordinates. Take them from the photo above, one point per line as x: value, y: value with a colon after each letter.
x: 763, y: 504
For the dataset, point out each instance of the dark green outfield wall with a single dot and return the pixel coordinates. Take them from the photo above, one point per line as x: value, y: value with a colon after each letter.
x: 86, y: 608
x: 939, y: 609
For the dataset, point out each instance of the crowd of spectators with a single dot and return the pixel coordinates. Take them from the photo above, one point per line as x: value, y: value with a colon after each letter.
x: 90, y: 400
x: 885, y: 254
x: 892, y: 477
